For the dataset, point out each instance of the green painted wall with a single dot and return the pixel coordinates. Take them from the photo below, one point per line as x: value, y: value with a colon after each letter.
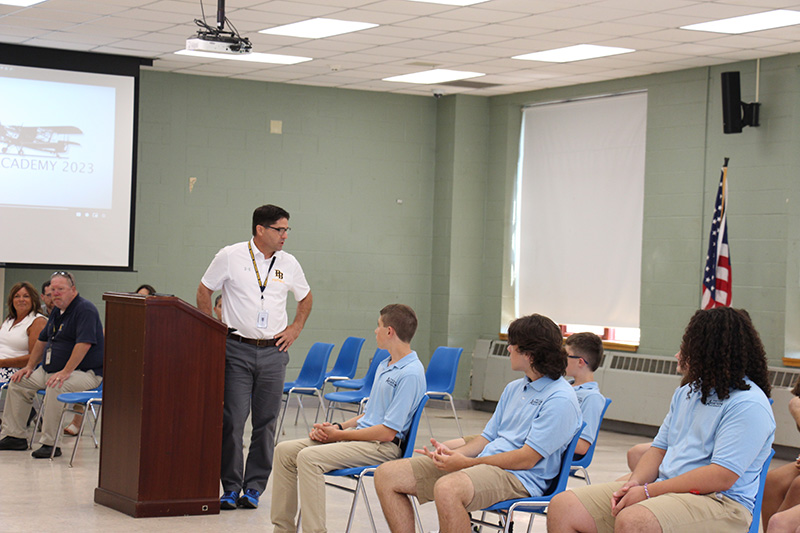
x: 408, y: 199
x: 685, y: 149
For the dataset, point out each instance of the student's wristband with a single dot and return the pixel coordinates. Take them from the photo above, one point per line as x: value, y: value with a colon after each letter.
x: 646, y: 492
x: 338, y: 425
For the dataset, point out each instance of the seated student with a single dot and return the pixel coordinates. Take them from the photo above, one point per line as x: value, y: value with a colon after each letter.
x: 780, y: 509
x: 702, y: 470
x: 371, y: 438
x: 517, y: 454
x: 584, y: 353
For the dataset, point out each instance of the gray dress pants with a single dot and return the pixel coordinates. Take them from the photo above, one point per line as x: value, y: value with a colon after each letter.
x: 254, y: 379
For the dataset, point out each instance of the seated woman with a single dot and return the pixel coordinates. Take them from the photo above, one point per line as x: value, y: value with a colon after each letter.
x: 145, y: 290
x: 780, y: 510
x: 20, y: 329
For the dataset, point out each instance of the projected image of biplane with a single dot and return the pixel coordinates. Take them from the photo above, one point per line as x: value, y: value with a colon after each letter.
x: 50, y: 139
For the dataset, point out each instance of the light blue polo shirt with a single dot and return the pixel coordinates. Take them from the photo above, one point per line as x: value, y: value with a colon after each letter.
x: 396, y: 393
x: 735, y: 433
x: 544, y: 414
x: 592, y: 404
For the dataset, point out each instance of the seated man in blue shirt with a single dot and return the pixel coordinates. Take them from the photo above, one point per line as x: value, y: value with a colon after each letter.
x: 517, y: 454
x: 584, y: 353
x: 70, y: 348
x: 368, y: 439
x: 702, y: 471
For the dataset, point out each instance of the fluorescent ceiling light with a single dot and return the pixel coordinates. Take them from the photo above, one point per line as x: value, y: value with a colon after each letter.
x: 452, y: 2
x: 20, y: 3
x: 255, y: 57
x: 438, y: 75
x: 318, y: 28
x: 747, y: 23
x: 578, y: 52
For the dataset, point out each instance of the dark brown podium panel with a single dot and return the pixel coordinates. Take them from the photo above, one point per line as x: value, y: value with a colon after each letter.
x: 163, y: 380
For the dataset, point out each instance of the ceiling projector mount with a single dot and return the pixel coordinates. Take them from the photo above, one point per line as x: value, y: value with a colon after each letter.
x: 217, y: 39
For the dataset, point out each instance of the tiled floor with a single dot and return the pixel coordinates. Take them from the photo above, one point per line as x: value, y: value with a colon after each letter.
x: 40, y: 496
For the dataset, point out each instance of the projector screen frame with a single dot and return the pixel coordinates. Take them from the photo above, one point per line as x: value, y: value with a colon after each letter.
x: 95, y: 63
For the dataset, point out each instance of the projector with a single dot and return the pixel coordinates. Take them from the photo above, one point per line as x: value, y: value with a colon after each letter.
x: 219, y: 43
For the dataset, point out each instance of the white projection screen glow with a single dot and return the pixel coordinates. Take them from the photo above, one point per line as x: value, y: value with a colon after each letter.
x: 66, y: 167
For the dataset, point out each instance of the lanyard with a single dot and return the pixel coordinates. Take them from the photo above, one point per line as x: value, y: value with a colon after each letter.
x: 258, y: 276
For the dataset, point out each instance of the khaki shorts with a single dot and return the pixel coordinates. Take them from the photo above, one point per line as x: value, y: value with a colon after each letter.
x: 490, y: 483
x: 679, y: 513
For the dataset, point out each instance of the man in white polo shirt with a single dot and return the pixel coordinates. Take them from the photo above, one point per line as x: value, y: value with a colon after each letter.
x: 255, y: 277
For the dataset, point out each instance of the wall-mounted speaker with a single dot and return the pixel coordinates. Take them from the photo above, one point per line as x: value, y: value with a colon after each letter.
x: 731, y: 103
x: 735, y: 113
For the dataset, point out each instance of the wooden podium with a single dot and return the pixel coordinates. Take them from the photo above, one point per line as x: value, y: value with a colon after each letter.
x: 163, y: 379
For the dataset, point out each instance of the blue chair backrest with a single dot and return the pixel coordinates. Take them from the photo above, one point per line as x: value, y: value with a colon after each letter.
x: 312, y: 374
x: 443, y: 368
x: 762, y: 480
x: 347, y: 361
x: 408, y: 445
x: 559, y: 484
x: 586, y: 460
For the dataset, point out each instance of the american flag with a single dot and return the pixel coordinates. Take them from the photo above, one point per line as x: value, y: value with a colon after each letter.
x: 717, y: 275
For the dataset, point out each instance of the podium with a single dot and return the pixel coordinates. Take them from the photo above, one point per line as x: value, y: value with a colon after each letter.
x: 163, y: 381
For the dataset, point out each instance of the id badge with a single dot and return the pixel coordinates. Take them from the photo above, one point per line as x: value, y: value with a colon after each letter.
x: 263, y: 319
x: 47, y: 356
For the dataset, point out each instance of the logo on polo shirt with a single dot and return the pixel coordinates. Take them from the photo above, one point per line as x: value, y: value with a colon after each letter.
x: 714, y: 403
x: 278, y: 274
x: 536, y: 401
x: 391, y: 382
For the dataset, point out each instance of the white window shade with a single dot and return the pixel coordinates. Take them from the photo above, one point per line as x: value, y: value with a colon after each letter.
x: 579, y: 210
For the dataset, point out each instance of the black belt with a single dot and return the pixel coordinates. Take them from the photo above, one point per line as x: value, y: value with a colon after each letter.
x: 255, y: 342
x: 397, y: 441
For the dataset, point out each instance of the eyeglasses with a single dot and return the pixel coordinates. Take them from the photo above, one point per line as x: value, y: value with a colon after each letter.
x: 64, y: 274
x: 575, y: 357
x: 281, y: 231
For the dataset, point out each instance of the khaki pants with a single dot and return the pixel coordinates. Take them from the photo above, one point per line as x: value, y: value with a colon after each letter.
x: 20, y: 397
x: 676, y: 513
x: 302, y: 463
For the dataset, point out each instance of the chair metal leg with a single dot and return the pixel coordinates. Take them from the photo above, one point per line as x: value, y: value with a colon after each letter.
x: 89, y: 408
x: 369, y: 509
x: 458, y: 424
x: 417, y: 518
x: 299, y: 406
x: 321, y: 406
x: 36, y: 422
x: 583, y: 471
x: 280, y: 422
x: 58, y: 432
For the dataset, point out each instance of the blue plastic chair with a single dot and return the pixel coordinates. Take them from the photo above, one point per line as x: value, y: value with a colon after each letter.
x: 93, y: 404
x: 347, y: 362
x: 533, y: 504
x: 441, y: 378
x: 361, y: 395
x: 309, y: 382
x: 358, y: 473
x: 583, y: 463
x: 762, y: 481
x: 356, y: 384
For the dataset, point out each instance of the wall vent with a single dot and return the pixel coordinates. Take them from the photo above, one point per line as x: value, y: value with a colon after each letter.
x: 783, y: 378
x: 499, y: 348
x: 638, y: 363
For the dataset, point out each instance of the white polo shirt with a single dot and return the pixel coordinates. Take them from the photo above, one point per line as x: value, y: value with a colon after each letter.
x: 232, y: 271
